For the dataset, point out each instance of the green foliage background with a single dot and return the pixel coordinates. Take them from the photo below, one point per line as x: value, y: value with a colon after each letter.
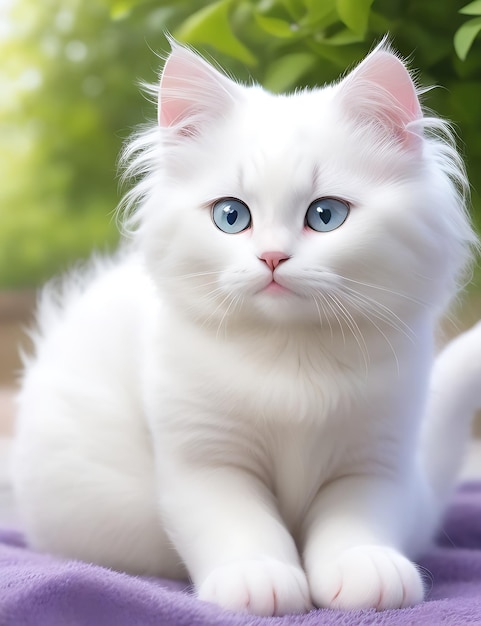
x: 69, y: 93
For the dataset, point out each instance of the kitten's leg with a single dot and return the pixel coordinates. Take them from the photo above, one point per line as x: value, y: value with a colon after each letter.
x: 354, y: 536
x: 224, y: 523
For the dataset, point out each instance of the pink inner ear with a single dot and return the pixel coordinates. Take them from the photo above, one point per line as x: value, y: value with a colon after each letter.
x: 388, y: 72
x: 191, y: 91
x: 173, y: 107
x: 381, y: 89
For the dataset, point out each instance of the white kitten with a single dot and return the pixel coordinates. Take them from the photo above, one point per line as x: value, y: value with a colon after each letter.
x: 238, y: 396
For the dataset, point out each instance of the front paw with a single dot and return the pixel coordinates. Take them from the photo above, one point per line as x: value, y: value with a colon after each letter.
x: 367, y: 577
x: 262, y: 587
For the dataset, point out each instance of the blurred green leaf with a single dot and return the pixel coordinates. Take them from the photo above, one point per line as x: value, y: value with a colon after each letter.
x: 354, y: 14
x: 212, y: 25
x: 286, y: 72
x: 473, y: 8
x: 317, y: 11
x: 294, y: 7
x: 275, y: 26
x: 343, y: 38
x: 121, y: 9
x: 63, y: 121
x: 465, y: 36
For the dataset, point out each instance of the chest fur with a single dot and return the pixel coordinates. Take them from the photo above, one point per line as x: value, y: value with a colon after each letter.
x: 295, y: 416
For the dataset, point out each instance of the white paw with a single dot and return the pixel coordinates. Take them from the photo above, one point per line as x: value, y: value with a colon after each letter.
x: 367, y: 577
x: 261, y: 587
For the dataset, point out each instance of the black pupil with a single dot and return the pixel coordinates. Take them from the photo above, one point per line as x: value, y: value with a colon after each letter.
x: 324, y: 214
x: 232, y: 217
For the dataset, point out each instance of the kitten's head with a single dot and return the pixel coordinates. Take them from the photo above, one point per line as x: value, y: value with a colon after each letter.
x: 335, y: 204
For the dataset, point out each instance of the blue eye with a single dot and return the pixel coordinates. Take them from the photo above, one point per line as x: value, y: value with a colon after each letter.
x: 326, y: 214
x: 231, y: 216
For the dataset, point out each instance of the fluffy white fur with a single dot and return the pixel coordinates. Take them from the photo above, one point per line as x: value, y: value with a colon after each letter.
x: 181, y: 419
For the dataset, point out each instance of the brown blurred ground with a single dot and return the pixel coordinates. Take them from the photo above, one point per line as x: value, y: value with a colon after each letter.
x: 16, y: 310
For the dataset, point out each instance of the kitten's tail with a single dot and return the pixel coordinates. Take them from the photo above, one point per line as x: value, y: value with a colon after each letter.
x: 455, y: 395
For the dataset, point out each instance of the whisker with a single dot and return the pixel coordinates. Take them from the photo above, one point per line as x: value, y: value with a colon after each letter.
x: 318, y: 309
x: 382, y: 333
x: 202, y: 285
x: 197, y: 274
x: 328, y: 296
x: 212, y: 295
x: 385, y: 289
x: 355, y: 331
x: 319, y: 303
x: 323, y: 300
x: 366, y: 305
x: 233, y: 301
x: 219, y: 305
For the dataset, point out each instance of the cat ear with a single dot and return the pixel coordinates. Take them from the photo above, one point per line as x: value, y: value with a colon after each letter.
x: 381, y: 88
x: 192, y: 92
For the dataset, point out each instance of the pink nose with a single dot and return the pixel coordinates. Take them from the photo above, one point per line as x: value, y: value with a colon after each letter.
x: 273, y: 259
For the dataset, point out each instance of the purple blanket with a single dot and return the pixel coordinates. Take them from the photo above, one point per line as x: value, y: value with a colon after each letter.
x: 39, y: 590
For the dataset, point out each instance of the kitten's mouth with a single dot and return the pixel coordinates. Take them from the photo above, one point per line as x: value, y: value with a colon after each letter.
x: 275, y: 288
